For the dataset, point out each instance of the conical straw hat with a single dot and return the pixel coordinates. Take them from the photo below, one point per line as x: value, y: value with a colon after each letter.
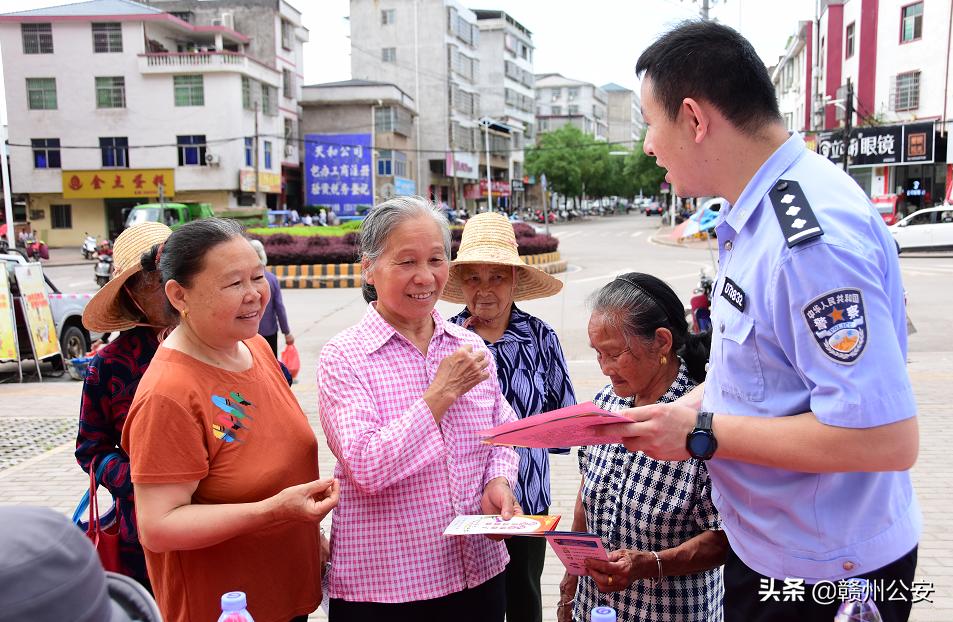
x: 105, y: 312
x: 489, y: 238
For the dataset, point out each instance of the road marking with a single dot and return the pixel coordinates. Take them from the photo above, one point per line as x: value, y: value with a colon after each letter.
x: 637, y: 234
x: 564, y: 235
x: 602, y: 277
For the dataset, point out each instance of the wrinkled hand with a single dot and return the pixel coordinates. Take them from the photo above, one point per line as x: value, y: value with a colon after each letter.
x: 461, y: 371
x: 289, y: 339
x: 567, y: 593
x: 306, y: 502
x: 498, y: 498
x: 658, y: 430
x: 624, y: 567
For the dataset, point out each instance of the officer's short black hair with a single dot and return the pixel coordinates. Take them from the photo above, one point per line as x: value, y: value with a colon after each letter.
x: 711, y: 62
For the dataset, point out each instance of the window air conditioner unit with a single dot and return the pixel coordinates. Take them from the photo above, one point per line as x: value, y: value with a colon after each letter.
x: 212, y: 159
x: 225, y: 19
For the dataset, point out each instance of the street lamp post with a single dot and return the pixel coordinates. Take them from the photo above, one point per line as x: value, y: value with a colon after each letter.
x: 485, y: 122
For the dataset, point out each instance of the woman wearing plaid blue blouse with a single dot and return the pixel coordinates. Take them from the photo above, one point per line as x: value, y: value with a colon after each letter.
x: 655, y: 517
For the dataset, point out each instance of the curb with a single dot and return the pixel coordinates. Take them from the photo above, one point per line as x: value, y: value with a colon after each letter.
x: 324, y: 276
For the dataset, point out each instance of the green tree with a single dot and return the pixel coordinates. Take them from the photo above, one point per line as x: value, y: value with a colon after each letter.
x: 557, y: 155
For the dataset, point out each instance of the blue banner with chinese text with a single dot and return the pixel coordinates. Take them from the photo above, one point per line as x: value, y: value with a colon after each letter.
x: 338, y: 171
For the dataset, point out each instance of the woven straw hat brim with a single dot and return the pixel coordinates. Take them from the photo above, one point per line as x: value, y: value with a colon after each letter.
x: 105, y: 311
x: 531, y: 283
x: 488, y: 238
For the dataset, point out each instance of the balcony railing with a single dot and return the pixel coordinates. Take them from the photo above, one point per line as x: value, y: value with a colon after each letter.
x: 211, y: 61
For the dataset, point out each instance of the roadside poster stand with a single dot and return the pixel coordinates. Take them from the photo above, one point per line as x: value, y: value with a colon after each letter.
x: 9, y: 349
x: 37, y: 313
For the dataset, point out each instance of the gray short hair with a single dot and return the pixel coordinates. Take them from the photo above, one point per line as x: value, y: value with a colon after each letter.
x: 384, y: 218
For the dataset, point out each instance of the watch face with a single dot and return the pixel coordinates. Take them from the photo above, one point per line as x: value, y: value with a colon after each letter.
x: 701, y: 445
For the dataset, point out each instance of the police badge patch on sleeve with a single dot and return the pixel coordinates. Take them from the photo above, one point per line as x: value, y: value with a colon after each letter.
x: 837, y: 322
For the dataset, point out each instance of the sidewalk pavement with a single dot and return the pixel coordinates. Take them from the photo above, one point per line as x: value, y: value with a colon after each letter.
x: 37, y: 465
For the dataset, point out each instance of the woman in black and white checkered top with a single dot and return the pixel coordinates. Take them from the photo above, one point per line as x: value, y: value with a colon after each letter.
x: 655, y: 517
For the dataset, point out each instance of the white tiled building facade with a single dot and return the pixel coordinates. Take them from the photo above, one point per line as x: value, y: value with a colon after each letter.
x: 108, y: 99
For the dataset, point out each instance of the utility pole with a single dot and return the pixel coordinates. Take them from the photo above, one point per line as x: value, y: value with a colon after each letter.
x: 255, y: 159
x: 489, y: 184
x: 7, y: 191
x: 704, y: 11
x: 848, y: 119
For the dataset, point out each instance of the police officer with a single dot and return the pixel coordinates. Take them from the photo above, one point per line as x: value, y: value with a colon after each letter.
x: 809, y: 447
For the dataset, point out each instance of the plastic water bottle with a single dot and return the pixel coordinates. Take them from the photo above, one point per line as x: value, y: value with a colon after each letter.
x: 234, y: 608
x: 602, y: 614
x: 860, y: 606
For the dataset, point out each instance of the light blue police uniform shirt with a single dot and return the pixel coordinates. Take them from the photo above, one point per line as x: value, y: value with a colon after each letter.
x: 823, y: 329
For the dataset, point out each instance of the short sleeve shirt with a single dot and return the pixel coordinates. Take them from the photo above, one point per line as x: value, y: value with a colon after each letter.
x: 244, y: 438
x: 816, y: 327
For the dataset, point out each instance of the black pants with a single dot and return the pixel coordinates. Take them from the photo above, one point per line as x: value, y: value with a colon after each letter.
x: 273, y: 342
x: 483, y: 603
x: 523, y: 592
x: 744, y: 592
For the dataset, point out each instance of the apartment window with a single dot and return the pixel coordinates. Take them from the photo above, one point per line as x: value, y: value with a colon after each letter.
x: 107, y: 37
x: 37, y: 38
x: 389, y: 55
x: 555, y: 94
x: 911, y: 22
x: 191, y: 150
x: 41, y: 93
x: 115, y: 151
x: 388, y: 16
x: 385, y: 119
x: 907, y: 91
x: 189, y: 90
x: 287, y: 83
x: 46, y: 152
x: 287, y: 35
x: 289, y: 130
x: 400, y: 164
x: 557, y: 110
x: 249, y: 151
x: 185, y: 16
x: 111, y: 92
x: 267, y: 150
x: 849, y: 41
x: 269, y: 100
x: 385, y: 162
x: 248, y: 102
x: 573, y: 109
x: 573, y: 93
x: 62, y: 216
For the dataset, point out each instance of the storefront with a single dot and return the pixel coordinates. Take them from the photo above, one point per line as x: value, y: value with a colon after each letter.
x: 893, y: 159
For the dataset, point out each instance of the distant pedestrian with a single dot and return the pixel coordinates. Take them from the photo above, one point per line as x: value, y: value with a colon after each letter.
x: 323, y: 218
x: 306, y: 220
x: 274, y: 316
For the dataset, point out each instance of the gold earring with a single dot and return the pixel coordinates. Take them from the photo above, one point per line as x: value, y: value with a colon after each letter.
x: 185, y: 314
x: 663, y: 360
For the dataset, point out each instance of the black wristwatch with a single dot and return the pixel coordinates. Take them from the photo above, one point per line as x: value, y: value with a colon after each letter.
x: 700, y: 442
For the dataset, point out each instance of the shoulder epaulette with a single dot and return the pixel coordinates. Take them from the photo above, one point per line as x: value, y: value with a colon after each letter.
x: 797, y: 219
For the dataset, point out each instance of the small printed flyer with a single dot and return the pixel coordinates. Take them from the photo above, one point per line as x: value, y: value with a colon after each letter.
x: 573, y: 549
x: 490, y: 524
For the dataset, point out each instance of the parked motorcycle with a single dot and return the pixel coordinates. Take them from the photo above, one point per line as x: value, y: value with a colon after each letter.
x: 540, y: 218
x: 35, y: 249
x: 701, y: 303
x: 89, y: 246
x: 103, y: 269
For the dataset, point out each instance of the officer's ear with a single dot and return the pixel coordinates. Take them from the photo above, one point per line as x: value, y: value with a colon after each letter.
x: 697, y: 116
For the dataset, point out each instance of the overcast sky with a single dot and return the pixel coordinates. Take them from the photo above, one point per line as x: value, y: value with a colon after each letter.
x: 593, y: 40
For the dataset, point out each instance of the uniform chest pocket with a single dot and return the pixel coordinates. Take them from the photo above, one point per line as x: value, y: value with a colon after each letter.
x: 741, y: 365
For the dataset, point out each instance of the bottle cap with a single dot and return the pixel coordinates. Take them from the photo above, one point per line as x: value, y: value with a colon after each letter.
x: 603, y: 614
x: 233, y: 601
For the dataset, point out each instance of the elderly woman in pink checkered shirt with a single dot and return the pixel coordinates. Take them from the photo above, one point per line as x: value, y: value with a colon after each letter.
x: 402, y: 395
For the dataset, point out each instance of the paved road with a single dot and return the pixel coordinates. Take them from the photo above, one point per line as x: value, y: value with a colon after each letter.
x: 36, y: 464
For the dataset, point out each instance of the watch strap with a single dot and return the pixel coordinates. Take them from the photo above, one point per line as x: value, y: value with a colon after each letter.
x: 704, y: 420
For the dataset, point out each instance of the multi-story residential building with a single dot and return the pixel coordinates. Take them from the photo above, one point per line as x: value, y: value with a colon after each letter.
x: 895, y: 55
x: 562, y: 101
x: 381, y: 110
x: 429, y: 49
x: 506, y: 97
x: 792, y: 78
x: 626, y: 125
x: 112, y: 103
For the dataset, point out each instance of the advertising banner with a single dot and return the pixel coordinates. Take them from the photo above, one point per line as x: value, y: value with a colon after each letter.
x: 462, y: 165
x: 118, y: 183
x: 267, y: 182
x: 36, y: 310
x: 885, y: 144
x: 478, y: 191
x: 918, y: 141
x: 8, y: 331
x: 404, y: 186
x: 337, y: 170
